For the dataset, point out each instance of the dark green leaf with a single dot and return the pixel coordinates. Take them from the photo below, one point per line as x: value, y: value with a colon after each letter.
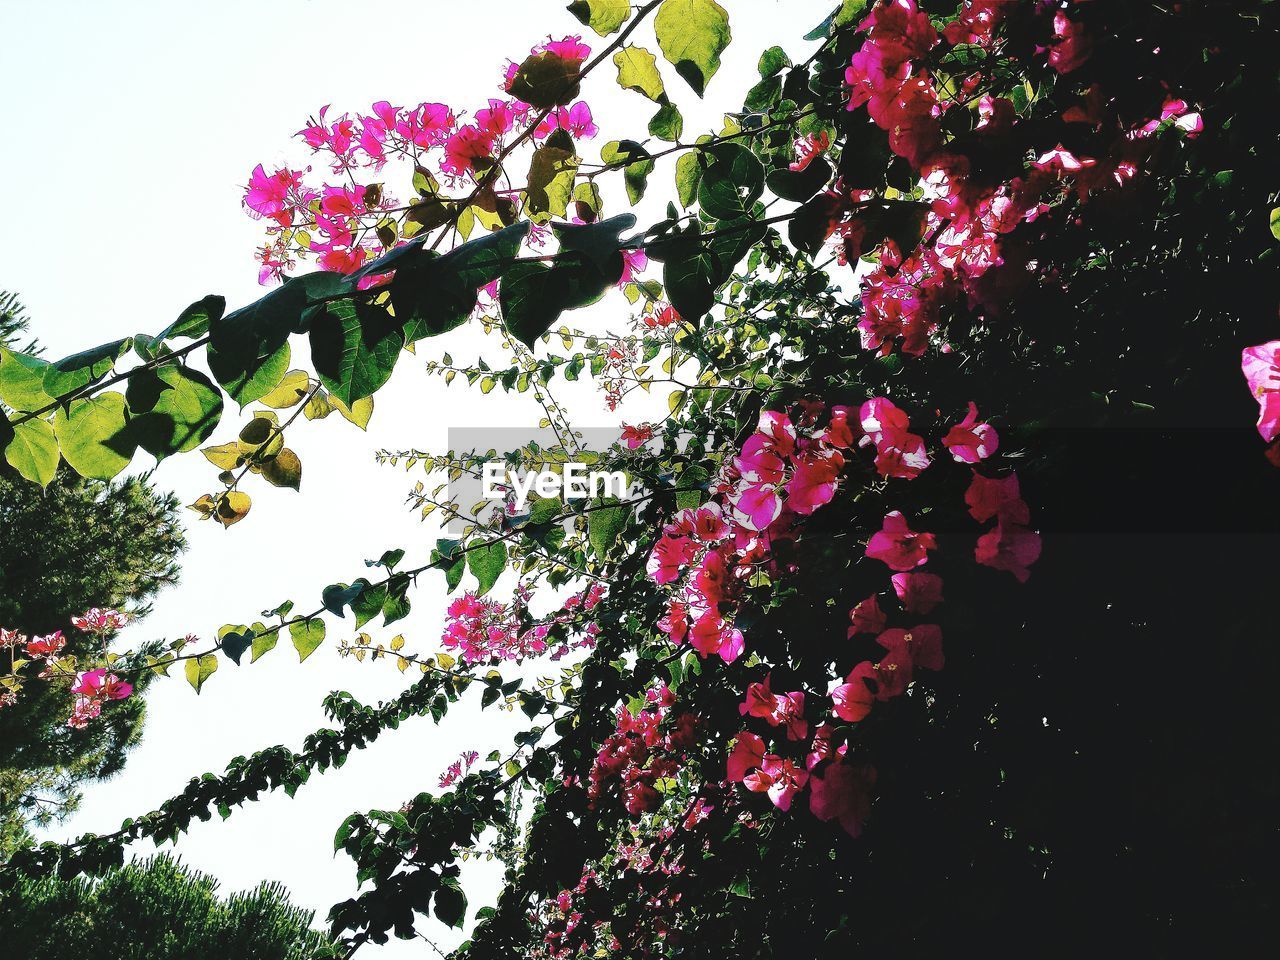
x: 174, y: 409
x: 354, y: 347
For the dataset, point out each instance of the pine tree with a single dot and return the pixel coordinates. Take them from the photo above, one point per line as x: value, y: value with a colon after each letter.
x: 74, y: 545
x: 153, y: 909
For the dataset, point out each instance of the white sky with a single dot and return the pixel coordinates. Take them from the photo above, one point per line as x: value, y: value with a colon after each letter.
x: 132, y: 126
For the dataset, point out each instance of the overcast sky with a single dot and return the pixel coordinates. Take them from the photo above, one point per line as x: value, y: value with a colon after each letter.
x: 132, y: 127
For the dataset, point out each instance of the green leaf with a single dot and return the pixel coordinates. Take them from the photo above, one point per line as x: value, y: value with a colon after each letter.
x: 22, y: 381
x: 368, y: 604
x: 552, y: 172
x: 246, y: 383
x: 600, y: 243
x: 545, y: 80
x: 94, y: 435
x: 773, y: 61
x: 195, y: 321
x: 533, y: 295
x: 692, y: 35
x: 336, y: 596
x: 307, y: 635
x: 32, y: 450
x: 799, y: 185
x: 81, y: 369
x: 450, y: 906
x: 667, y: 123
x: 688, y: 176
x: 691, y: 281
x: 235, y: 640
x: 438, y: 295
x: 1275, y: 223
x: 354, y: 346
x: 638, y: 71
x: 636, y: 162
x: 604, y: 525
x: 732, y: 181
x: 289, y: 391
x: 602, y: 16
x: 200, y: 669
x: 263, y: 643
x: 247, y: 345
x: 174, y: 408
x: 486, y: 564
x: 690, y: 487
x: 283, y: 470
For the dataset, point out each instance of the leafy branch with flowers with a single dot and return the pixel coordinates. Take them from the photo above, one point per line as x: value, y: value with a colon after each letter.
x: 886, y: 298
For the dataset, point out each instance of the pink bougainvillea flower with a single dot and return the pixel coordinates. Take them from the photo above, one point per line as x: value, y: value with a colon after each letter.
x: 898, y: 546
x: 1072, y: 44
x: 988, y: 497
x: 426, y: 125
x: 820, y: 749
x: 783, y: 709
x: 464, y: 148
x: 99, y: 620
x: 633, y: 261
x: 101, y: 685
x: 867, y: 617
x: 852, y: 699
x: 839, y: 433
x: 899, y: 453
x: 1190, y: 124
x: 275, y: 195
x: 918, y: 592
x: 669, y: 555
x: 747, y: 754
x: 663, y: 316
x: 710, y: 634
x: 843, y: 792
x: 575, y: 120
x: 759, y: 461
x: 637, y: 436
x: 498, y: 118
x: 571, y: 49
x: 810, y: 146
x: 922, y: 644
x: 46, y: 647
x: 708, y: 524
x: 756, y: 505
x: 761, y: 701
x: 778, y: 777
x: 813, y: 484
x: 1261, y: 367
x: 970, y: 441
x: 1009, y: 546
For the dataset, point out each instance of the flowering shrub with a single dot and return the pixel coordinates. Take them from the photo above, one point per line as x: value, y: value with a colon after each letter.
x: 883, y: 303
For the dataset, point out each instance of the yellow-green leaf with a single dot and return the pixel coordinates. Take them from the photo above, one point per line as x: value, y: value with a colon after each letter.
x: 307, y: 635
x: 33, y: 451
x: 602, y: 16
x: 638, y: 70
x: 692, y: 34
x: 93, y: 435
x: 289, y: 391
x: 200, y: 669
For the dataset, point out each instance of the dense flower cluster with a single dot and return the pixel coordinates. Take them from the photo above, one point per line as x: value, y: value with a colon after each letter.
x: 92, y: 688
x: 787, y: 469
x: 968, y: 257
x: 481, y: 629
x: 345, y: 222
x: 644, y: 750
